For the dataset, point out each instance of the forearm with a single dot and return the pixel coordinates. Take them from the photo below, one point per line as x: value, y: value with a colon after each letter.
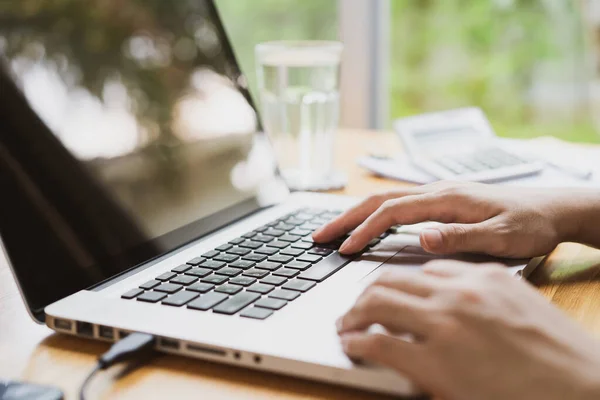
x: 579, y: 217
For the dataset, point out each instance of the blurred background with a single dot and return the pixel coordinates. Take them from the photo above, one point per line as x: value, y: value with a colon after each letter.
x: 532, y: 65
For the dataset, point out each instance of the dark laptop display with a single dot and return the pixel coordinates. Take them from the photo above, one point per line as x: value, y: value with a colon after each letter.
x: 126, y: 131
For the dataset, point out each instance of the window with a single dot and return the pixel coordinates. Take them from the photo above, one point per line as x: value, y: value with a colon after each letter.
x: 249, y: 22
x: 527, y: 63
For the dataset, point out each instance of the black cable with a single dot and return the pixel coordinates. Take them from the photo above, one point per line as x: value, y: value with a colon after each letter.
x: 131, y: 345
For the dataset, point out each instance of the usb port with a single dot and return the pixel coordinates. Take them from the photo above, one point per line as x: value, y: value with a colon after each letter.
x: 106, y: 332
x: 63, y: 324
x: 169, y: 344
x: 85, y: 329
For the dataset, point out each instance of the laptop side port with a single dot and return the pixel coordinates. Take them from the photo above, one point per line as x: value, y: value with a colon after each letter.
x: 169, y: 344
x: 106, y: 332
x: 85, y: 329
x: 208, y: 350
x: 63, y: 324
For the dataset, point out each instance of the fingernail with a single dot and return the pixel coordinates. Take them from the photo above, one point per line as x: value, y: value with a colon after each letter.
x: 346, y: 245
x: 432, y: 238
x: 339, y: 325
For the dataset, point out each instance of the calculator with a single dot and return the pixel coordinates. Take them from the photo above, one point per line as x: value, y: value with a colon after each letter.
x: 461, y: 145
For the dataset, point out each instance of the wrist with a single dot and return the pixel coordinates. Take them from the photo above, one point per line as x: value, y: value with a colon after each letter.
x: 577, y: 215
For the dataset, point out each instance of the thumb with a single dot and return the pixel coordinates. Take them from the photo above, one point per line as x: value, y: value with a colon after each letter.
x: 458, y: 238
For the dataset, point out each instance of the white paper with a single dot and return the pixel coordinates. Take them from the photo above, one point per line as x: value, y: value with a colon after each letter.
x: 562, y: 153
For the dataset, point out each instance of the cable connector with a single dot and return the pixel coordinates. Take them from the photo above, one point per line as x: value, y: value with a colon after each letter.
x: 131, y: 345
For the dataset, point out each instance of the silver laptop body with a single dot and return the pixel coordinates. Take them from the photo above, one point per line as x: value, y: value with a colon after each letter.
x: 120, y: 162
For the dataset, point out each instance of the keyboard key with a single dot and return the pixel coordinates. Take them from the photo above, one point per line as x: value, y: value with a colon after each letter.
x: 168, y: 288
x: 284, y: 294
x: 298, y: 265
x: 249, y: 235
x: 273, y: 304
x: 226, y: 257
x: 200, y: 287
x: 308, y: 239
x: 151, y: 297
x: 184, y: 280
x: 302, y: 245
x: 237, y: 240
x: 150, y: 284
x: 179, y: 299
x: 320, y: 251
x: 207, y: 301
x: 300, y: 232
x: 274, y: 280
x: 229, y: 289
x: 224, y: 247
x: 310, y: 226
x: 299, y: 285
x: 196, y: 261
x: 289, y: 238
x: 255, y: 257
x: 304, y: 216
x: 290, y: 251
x: 236, y: 303
x: 278, y: 244
x: 311, y: 258
x: 284, y: 227
x: 242, y: 280
x: 266, y: 250
x: 251, y: 244
x: 132, y: 293
x: 256, y: 313
x: 287, y: 272
x: 294, y: 221
x: 273, y: 232
x: 261, y: 229
x: 268, y: 265
x: 215, y: 279
x: 166, y: 276
x: 199, y: 272
x: 212, y: 264
x: 210, y: 254
x: 281, y: 258
x: 325, y: 268
x: 240, y: 251
x: 256, y: 273
x: 228, y: 271
x: 263, y: 238
x: 261, y: 288
x: 243, y: 264
x: 181, y: 268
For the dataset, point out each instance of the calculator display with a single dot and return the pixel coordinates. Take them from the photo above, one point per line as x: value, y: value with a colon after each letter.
x: 443, y: 140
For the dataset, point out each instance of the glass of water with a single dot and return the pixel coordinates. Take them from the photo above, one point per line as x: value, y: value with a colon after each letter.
x: 299, y: 94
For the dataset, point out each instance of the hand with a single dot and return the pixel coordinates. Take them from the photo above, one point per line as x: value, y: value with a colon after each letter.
x: 497, y: 220
x: 479, y: 334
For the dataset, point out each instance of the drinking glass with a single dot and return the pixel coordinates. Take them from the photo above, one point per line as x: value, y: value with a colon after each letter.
x: 299, y: 95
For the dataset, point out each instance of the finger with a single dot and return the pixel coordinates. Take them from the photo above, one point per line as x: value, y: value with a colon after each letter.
x: 396, y: 311
x: 353, y: 217
x: 406, y: 210
x: 448, y: 268
x: 408, y: 281
x: 461, y: 238
x: 385, y: 350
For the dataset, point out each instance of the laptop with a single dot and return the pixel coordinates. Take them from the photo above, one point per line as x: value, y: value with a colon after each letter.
x: 139, y: 194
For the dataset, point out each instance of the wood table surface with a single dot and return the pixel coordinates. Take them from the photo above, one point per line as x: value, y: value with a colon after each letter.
x: 570, y: 278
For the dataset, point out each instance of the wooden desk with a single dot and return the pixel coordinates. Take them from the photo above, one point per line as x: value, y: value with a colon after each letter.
x: 570, y: 278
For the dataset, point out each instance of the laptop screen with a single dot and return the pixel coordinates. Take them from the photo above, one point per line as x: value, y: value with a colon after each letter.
x: 126, y: 130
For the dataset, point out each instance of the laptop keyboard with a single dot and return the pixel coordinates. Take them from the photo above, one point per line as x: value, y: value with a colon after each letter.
x: 255, y: 274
